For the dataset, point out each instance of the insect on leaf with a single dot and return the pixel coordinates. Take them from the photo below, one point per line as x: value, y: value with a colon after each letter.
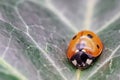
x: 34, y: 36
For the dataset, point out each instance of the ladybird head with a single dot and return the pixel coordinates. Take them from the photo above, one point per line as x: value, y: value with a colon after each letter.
x: 81, y: 59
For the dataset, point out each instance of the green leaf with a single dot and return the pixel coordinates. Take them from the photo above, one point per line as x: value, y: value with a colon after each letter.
x: 34, y: 35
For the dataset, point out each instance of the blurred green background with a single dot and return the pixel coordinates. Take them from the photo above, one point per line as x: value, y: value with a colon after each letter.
x: 34, y: 35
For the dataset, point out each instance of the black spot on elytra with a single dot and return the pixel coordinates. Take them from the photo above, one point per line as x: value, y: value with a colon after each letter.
x: 98, y: 46
x: 74, y: 37
x: 89, y: 36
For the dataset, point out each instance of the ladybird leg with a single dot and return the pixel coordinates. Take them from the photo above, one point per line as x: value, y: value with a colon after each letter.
x: 83, y: 64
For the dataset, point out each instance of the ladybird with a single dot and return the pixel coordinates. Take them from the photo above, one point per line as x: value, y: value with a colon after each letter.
x: 84, y: 48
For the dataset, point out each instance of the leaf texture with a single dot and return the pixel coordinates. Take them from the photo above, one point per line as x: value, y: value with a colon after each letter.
x: 34, y: 35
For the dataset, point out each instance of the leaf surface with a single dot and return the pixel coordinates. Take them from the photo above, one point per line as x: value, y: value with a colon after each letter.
x: 34, y: 35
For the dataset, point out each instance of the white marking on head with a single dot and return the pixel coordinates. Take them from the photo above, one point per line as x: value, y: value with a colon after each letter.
x: 76, y: 51
x: 83, y: 64
x: 83, y: 50
x: 89, y: 61
x: 74, y: 62
x: 78, y: 65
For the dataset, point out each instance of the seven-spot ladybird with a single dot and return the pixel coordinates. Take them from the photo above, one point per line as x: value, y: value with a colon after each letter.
x: 84, y: 48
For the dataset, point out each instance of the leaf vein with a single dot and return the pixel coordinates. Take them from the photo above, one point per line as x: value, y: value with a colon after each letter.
x: 112, y: 20
x: 108, y: 59
x: 45, y: 54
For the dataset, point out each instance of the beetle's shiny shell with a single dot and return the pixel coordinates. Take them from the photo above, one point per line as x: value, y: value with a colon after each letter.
x: 92, y: 44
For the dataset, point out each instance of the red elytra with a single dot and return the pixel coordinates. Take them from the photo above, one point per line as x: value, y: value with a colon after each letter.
x: 84, y: 48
